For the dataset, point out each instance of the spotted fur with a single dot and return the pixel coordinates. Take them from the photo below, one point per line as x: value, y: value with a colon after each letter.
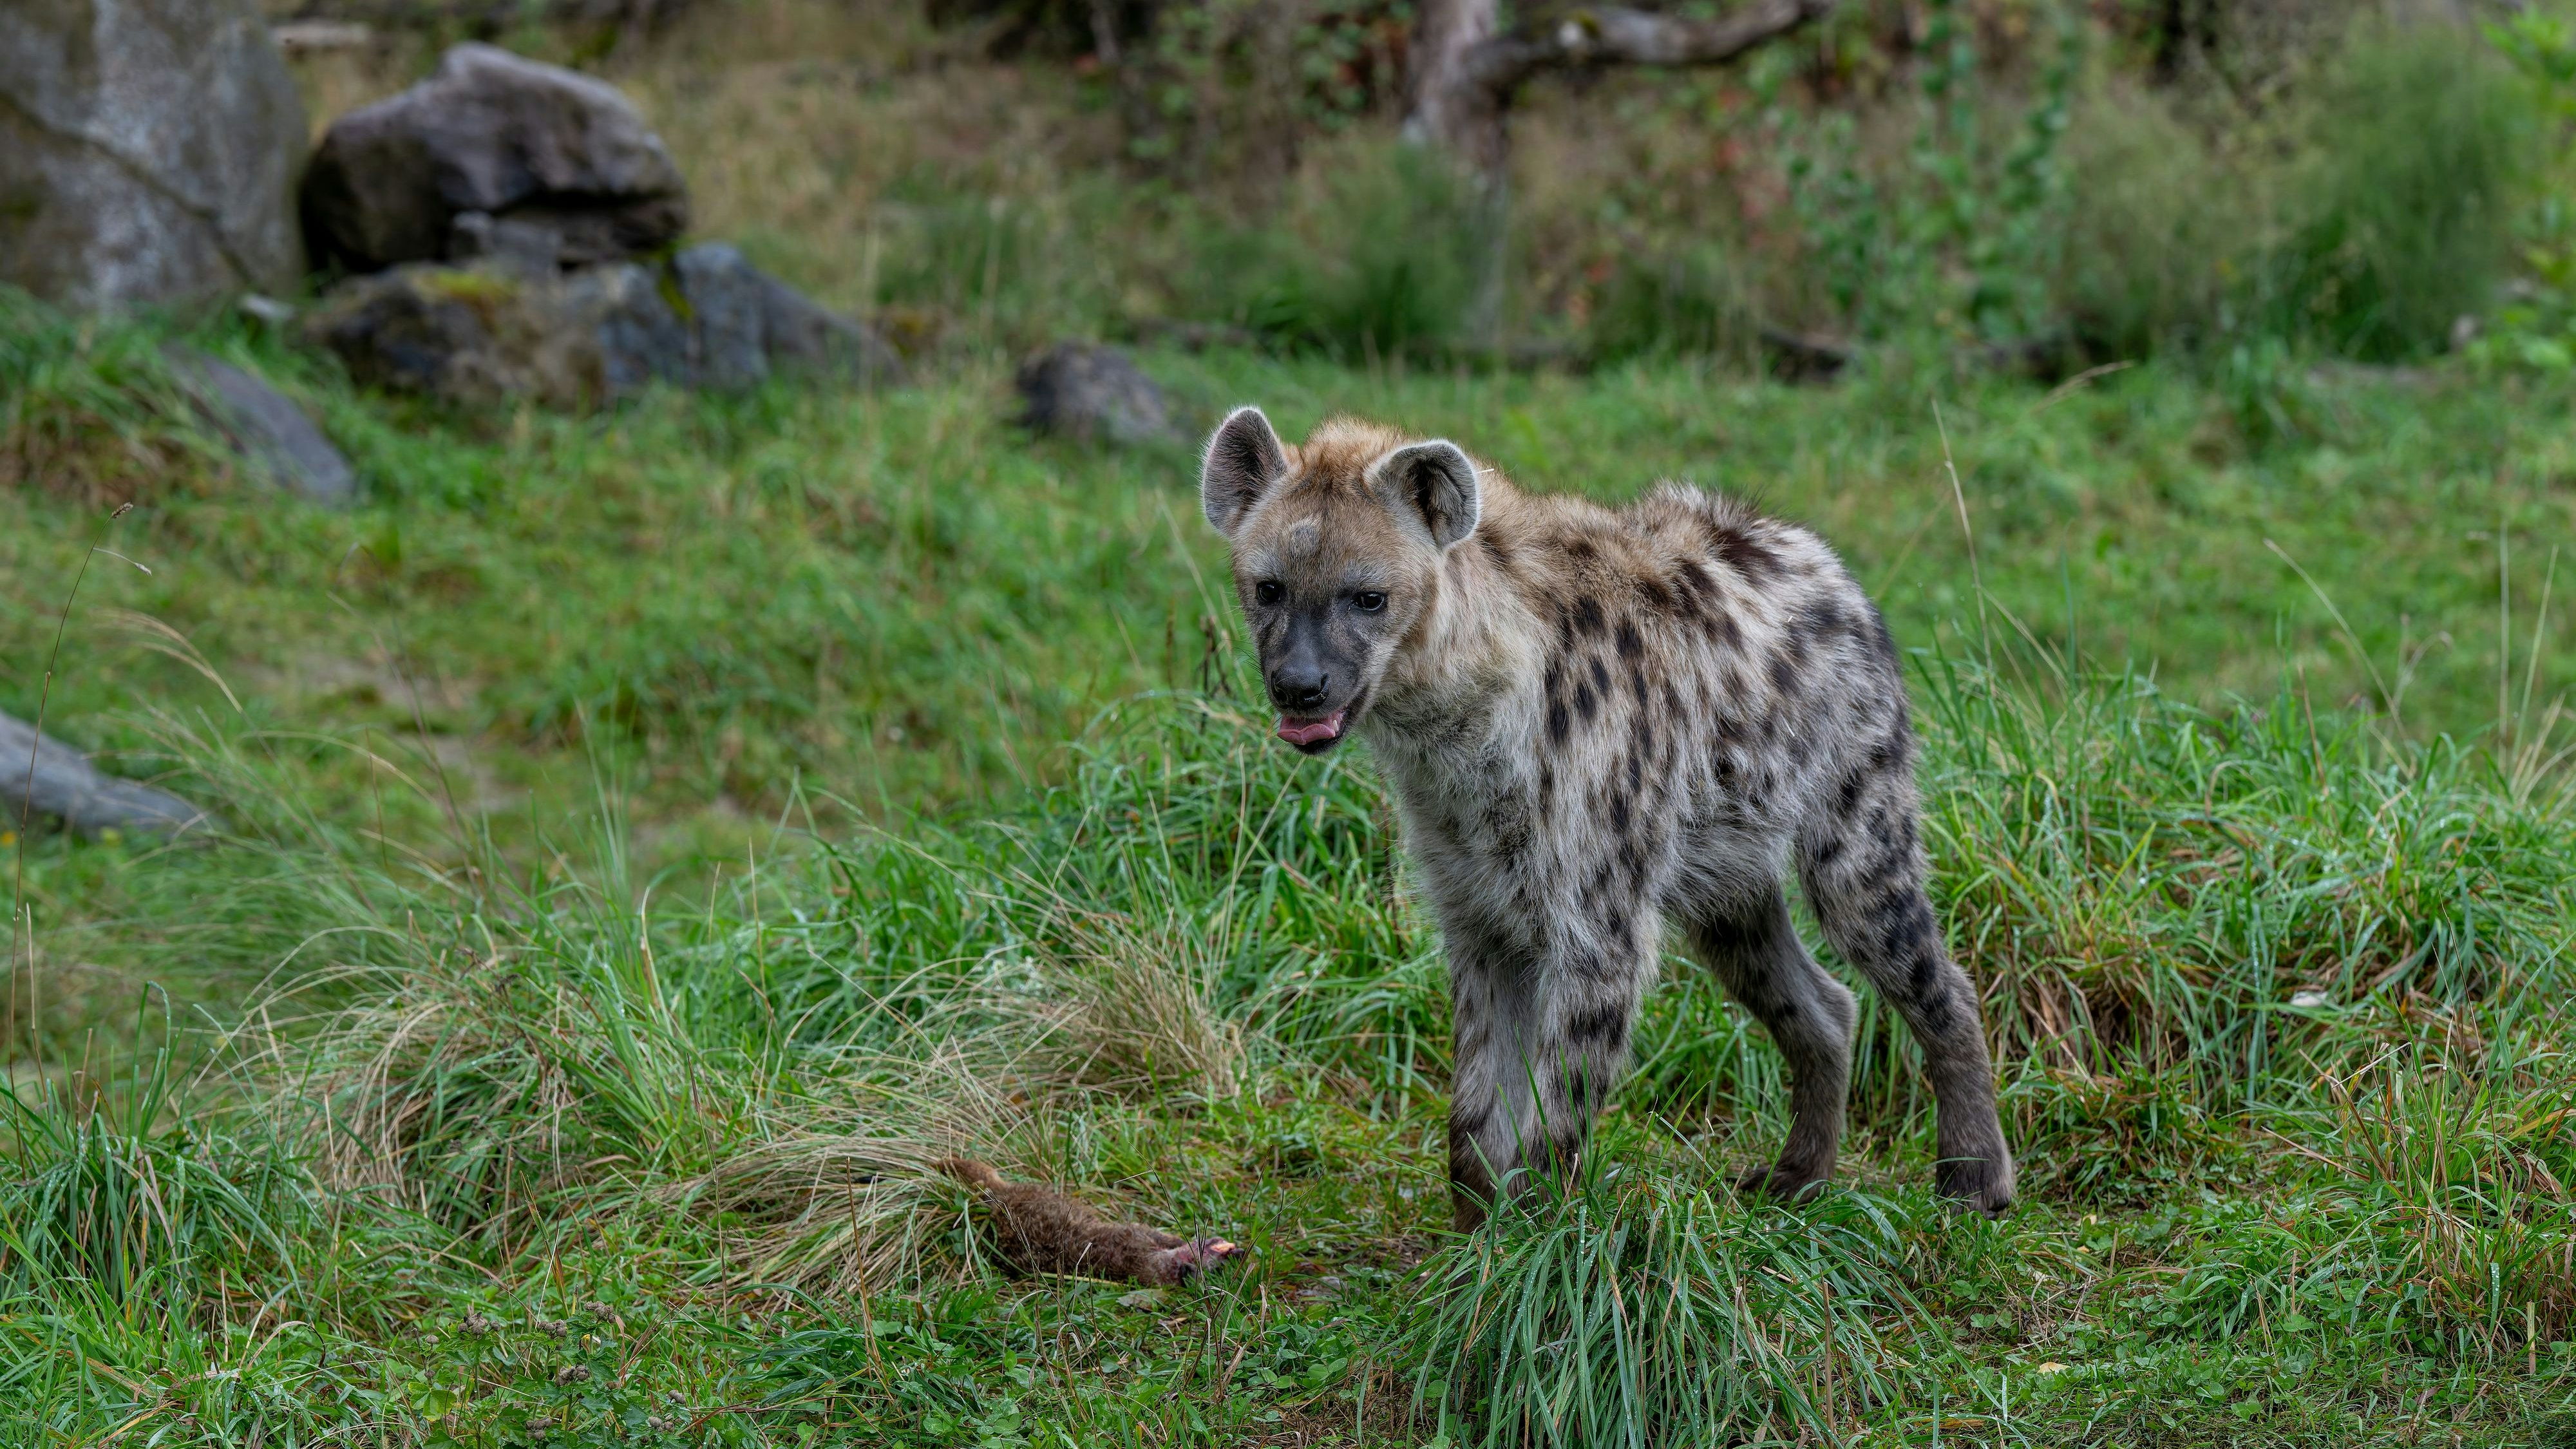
x: 1598, y: 724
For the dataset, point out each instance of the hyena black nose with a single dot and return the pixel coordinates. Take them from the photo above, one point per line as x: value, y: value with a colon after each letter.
x: 1290, y: 692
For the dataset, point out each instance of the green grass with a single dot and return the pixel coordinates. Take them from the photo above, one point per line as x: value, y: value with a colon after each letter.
x: 594, y: 969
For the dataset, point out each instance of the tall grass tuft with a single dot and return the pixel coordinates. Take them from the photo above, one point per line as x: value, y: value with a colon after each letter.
x: 2144, y: 886
x: 1637, y: 1313
x: 115, y: 1193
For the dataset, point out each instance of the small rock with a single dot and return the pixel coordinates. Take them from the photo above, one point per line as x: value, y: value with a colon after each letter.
x: 1806, y: 356
x: 1141, y: 1299
x: 1082, y: 390
x: 265, y: 310
x: 1328, y: 1286
x: 270, y: 433
x: 63, y: 784
x: 494, y: 133
x: 2309, y: 1000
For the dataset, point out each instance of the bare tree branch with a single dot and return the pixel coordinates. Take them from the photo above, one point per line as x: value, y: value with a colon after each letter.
x: 1637, y: 37
x: 1464, y: 72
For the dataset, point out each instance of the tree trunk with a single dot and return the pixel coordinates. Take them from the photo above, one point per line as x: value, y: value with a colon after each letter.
x: 1447, y: 104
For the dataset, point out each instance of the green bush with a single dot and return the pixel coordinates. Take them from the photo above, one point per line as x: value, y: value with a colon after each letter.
x: 2422, y: 158
x: 2161, y: 229
x: 2373, y: 210
x: 1684, y: 301
x: 1377, y: 257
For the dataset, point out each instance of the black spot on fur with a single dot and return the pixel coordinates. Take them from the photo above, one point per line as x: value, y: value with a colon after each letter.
x: 1605, y: 1025
x: 1657, y: 596
x: 1587, y: 616
x: 1742, y: 552
x: 1821, y: 618
x: 1600, y: 677
x: 1784, y: 674
x: 1847, y: 799
x: 1619, y: 813
x: 1631, y: 644
x: 1879, y: 638
x: 1507, y: 827
x: 1557, y: 723
x: 1889, y: 754
x: 1580, y: 548
x: 1584, y: 703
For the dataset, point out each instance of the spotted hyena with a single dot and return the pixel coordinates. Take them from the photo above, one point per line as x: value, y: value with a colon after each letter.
x: 1596, y: 722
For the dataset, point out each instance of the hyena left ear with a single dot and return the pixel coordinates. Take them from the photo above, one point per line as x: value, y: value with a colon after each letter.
x: 1243, y: 460
x: 1438, y: 481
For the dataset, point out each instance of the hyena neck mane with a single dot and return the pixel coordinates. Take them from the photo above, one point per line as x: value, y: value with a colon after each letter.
x: 1468, y: 669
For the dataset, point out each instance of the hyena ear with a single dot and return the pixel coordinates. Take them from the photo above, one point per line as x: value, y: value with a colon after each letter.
x: 1438, y: 481
x: 1243, y: 459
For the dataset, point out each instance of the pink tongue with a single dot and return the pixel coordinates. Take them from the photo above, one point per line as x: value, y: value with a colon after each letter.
x: 1309, y: 731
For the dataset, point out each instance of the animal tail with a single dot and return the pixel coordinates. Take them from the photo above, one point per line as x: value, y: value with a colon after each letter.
x: 972, y: 1173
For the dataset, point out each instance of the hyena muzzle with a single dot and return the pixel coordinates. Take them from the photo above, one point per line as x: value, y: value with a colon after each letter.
x: 1595, y: 722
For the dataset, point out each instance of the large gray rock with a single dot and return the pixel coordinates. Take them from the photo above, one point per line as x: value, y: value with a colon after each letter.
x: 747, y: 324
x: 581, y: 338
x: 42, y: 777
x: 147, y: 151
x: 490, y: 333
x: 520, y: 142
x: 1081, y: 390
x: 273, y: 436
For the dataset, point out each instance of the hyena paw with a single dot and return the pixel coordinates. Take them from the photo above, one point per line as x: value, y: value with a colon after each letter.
x: 1782, y: 1181
x: 1983, y: 1184
x: 1179, y: 1265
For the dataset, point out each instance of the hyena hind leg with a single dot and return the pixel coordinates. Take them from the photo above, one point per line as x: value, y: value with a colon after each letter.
x: 1755, y: 953
x: 1867, y: 892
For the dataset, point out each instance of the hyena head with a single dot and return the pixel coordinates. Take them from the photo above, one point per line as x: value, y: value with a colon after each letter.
x: 1337, y: 549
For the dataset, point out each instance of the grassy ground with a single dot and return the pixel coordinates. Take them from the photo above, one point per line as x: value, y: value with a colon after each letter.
x: 655, y: 835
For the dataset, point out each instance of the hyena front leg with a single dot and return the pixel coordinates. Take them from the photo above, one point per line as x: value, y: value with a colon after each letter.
x: 1862, y: 865
x: 1755, y: 953
x: 1541, y: 1038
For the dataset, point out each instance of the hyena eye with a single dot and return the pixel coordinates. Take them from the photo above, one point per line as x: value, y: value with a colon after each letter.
x: 1266, y: 592
x: 1368, y: 601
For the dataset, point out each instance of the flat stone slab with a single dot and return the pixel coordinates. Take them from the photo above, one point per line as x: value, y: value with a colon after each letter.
x: 42, y: 777
x: 267, y: 429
